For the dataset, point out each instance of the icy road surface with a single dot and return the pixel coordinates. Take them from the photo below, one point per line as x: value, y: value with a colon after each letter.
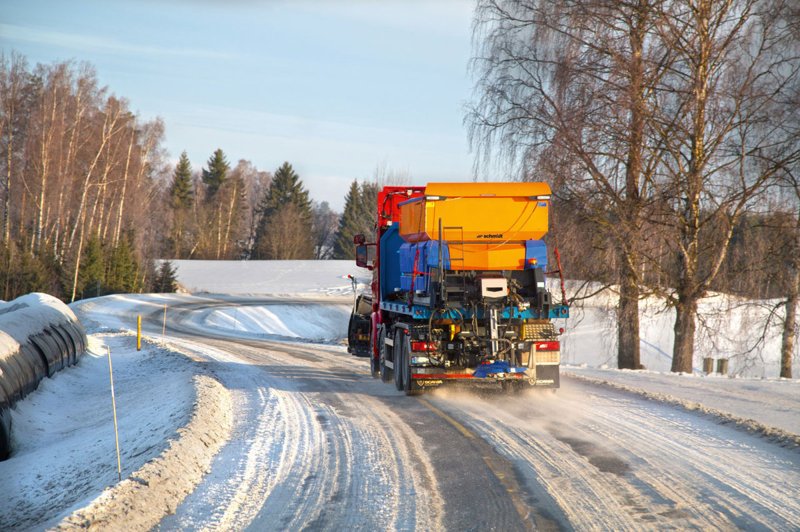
x: 319, y: 444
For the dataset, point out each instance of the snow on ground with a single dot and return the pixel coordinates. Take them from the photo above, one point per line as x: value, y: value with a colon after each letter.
x: 63, y: 434
x: 69, y: 416
x: 769, y: 402
x: 287, y: 321
x: 728, y: 328
x: 288, y: 277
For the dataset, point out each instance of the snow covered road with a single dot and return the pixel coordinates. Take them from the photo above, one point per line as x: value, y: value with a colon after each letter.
x: 308, y: 450
x: 321, y: 445
x: 601, y: 456
x: 316, y: 443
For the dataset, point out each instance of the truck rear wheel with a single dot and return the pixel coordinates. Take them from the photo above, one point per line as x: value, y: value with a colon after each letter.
x: 406, y: 363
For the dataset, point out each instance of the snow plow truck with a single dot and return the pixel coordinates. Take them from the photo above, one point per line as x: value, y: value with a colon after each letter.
x: 458, y: 287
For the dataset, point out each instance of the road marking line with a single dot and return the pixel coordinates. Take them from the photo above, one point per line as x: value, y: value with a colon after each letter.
x: 510, y: 484
x: 458, y: 426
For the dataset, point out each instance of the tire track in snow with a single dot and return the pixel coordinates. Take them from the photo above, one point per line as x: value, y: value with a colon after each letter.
x: 578, y: 491
x: 296, y: 492
x: 298, y: 459
x: 597, y: 459
x: 378, y: 492
x: 741, y: 484
x: 628, y: 463
x: 248, y: 461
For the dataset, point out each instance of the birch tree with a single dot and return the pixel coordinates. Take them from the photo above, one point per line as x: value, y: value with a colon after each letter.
x: 724, y: 133
x: 73, y: 156
x: 325, y: 223
x: 14, y: 79
x: 564, y: 92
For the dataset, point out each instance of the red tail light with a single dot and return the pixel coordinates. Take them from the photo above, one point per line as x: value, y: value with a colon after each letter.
x: 423, y: 346
x: 548, y: 346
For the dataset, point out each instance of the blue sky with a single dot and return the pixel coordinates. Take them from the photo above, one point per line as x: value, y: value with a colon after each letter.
x: 336, y: 87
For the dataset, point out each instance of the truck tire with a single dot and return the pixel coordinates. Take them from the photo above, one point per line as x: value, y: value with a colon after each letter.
x: 399, y: 338
x: 386, y: 373
x: 374, y: 369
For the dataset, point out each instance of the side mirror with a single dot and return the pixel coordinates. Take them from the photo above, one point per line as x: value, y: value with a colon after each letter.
x: 365, y: 256
x: 359, y: 239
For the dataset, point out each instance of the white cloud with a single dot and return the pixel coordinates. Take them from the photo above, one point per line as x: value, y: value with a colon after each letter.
x: 31, y: 34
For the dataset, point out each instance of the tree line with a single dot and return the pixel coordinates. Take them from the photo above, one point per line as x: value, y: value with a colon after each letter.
x: 90, y: 201
x: 670, y: 132
x: 243, y: 213
x: 667, y: 129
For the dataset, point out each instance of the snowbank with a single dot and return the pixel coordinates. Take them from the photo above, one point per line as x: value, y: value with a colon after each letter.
x: 140, y: 501
x: 770, y: 407
x: 172, y: 420
x: 279, y: 320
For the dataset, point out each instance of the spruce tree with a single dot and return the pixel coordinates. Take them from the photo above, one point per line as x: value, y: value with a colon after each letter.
x: 32, y: 275
x: 214, y: 176
x: 348, y: 224
x: 22, y: 272
x: 286, y: 189
x: 181, y: 198
x: 360, y: 212
x: 91, y: 277
x: 166, y: 280
x: 123, y: 268
x: 180, y: 191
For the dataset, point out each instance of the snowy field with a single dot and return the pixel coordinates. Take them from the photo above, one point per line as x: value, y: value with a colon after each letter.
x: 69, y: 416
x: 728, y: 327
x: 281, y: 278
